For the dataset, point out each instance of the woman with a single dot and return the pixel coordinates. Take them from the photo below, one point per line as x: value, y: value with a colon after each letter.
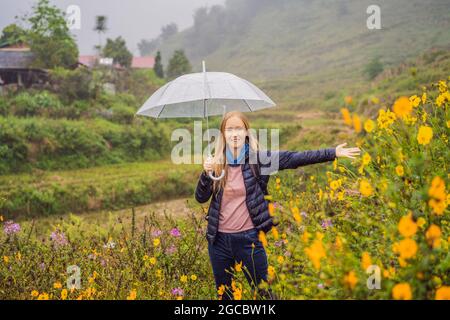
x: 238, y: 210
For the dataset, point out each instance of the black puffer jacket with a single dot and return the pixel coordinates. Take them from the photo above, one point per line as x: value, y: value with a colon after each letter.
x: 270, y: 162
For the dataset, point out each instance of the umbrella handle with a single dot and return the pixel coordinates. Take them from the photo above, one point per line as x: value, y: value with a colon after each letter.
x: 217, y: 178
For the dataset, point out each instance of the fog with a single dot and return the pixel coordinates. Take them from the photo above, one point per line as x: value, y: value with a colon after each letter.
x: 132, y: 19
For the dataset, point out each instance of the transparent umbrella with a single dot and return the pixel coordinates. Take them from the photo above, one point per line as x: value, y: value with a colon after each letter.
x: 205, y: 94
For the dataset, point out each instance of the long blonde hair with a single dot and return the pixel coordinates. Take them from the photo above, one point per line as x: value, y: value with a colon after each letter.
x: 219, y: 158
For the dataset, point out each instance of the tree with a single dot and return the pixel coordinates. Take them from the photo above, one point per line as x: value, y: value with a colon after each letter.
x: 373, y: 68
x: 117, y: 49
x: 49, y: 37
x: 146, y: 47
x: 100, y: 27
x: 168, y: 30
x: 158, y: 67
x: 178, y: 65
x: 13, y: 34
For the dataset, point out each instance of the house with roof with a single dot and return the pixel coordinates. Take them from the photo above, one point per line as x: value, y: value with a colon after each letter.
x: 16, y: 66
x: 91, y: 61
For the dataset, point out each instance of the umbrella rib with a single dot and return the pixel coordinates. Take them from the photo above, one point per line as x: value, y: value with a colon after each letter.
x: 160, y: 111
x: 248, y: 105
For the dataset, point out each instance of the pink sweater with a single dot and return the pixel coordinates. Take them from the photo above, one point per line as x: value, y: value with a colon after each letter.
x: 234, y: 215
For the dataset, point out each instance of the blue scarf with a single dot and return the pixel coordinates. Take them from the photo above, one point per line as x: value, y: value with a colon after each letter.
x: 240, y: 157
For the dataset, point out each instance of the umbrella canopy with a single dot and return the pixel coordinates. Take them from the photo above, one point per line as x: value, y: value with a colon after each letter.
x: 204, y: 94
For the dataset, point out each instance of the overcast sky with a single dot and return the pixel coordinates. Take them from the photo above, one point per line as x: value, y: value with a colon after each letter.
x: 132, y: 19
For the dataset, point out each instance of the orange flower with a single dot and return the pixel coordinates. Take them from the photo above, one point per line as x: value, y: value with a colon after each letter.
x: 402, y: 107
x: 402, y: 291
x: 443, y: 293
x: 407, y: 248
x: 366, y: 261
x: 350, y: 280
x: 407, y: 227
x: 433, y: 236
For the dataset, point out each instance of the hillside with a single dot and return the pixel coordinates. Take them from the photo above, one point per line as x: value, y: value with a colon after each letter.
x: 291, y: 43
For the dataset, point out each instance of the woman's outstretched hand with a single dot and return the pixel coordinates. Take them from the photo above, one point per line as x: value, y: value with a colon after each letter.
x: 347, y: 152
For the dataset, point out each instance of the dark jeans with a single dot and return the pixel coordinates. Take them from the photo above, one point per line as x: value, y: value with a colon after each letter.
x: 231, y: 248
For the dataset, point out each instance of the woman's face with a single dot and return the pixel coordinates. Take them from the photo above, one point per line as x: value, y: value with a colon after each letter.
x: 235, y: 132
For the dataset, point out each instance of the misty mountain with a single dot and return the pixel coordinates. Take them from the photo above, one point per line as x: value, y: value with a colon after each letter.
x: 266, y: 40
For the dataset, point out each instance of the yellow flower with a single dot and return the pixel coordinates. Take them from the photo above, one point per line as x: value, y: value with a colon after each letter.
x: 221, y: 289
x: 238, y: 266
x: 335, y: 184
x: 425, y: 134
x: 280, y: 259
x: 271, y: 272
x: 399, y: 170
x: 346, y: 116
x: 414, y: 100
x: 433, y: 236
x: 440, y: 100
x: 356, y: 123
x: 407, y: 227
x: 366, y: 261
x: 193, y: 277
x: 271, y: 208
x: 275, y: 233
x: 57, y: 285
x: 369, y: 125
x: 262, y: 238
x: 385, y: 119
x: 152, y: 260
x: 156, y: 242
x: 296, y: 214
x: 442, y: 86
x: 34, y: 293
x: 237, y: 294
x: 366, y: 159
x: 407, y: 248
x: 316, y: 252
x: 402, y: 291
x: 132, y: 295
x: 365, y: 188
x: 443, y: 293
x: 43, y: 296
x: 424, y: 98
x: 6, y: 259
x: 305, y: 236
x: 338, y: 243
x: 402, y: 107
x: 183, y: 278
x: 350, y: 280
x: 63, y: 294
x: 438, y: 195
x: 421, y: 222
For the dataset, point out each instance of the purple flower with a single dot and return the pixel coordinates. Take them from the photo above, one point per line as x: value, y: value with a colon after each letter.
x: 156, y: 233
x: 59, y: 238
x: 278, y: 243
x: 326, y: 223
x: 320, y: 286
x: 11, y: 228
x: 175, y: 232
x: 277, y: 205
x: 177, y: 291
x: 171, y: 249
x: 304, y: 214
x: 42, y: 266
